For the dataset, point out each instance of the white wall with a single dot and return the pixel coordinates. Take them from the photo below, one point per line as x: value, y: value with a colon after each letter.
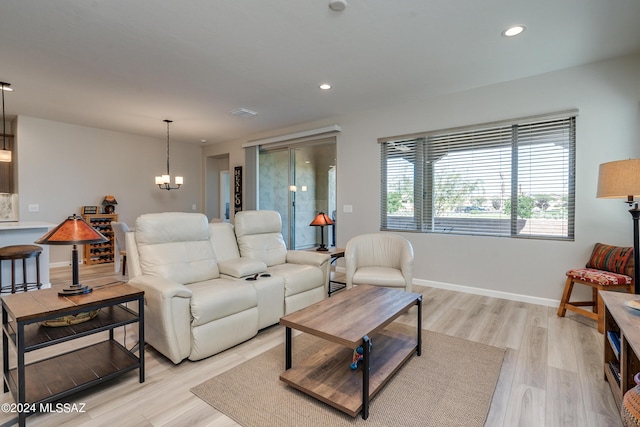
x: 62, y: 167
x: 607, y: 95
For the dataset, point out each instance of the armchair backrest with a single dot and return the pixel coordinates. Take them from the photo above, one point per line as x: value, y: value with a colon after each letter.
x: 379, y: 250
x: 259, y: 236
x: 176, y: 246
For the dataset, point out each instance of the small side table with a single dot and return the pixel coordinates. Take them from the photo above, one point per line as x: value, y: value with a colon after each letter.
x: 42, y: 382
x: 334, y: 253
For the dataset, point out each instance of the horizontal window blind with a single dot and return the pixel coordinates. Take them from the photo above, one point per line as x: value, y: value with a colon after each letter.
x: 510, y: 179
x: 401, y: 168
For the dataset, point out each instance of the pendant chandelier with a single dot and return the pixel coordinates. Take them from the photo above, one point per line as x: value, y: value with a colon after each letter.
x: 5, y: 155
x: 164, y: 181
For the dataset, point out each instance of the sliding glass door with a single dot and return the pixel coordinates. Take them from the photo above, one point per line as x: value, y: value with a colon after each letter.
x: 299, y: 181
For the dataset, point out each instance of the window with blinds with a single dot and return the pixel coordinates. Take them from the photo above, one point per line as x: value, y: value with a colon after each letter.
x: 513, y: 179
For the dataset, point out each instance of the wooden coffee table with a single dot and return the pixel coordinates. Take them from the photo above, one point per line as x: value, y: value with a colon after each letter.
x: 348, y: 320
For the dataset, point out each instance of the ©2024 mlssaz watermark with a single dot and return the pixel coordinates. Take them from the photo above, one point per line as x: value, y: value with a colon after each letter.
x: 53, y: 407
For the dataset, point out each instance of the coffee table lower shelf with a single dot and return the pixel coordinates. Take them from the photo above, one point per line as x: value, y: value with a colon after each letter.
x: 326, y: 374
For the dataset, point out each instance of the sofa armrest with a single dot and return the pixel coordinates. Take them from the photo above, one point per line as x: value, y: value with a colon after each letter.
x: 167, y: 315
x: 241, y: 267
x: 307, y: 257
x: 320, y: 260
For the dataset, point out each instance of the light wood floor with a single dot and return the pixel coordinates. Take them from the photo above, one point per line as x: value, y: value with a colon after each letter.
x: 552, y: 374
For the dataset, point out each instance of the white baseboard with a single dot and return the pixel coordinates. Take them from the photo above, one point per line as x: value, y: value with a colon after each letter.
x: 489, y: 293
x: 547, y: 302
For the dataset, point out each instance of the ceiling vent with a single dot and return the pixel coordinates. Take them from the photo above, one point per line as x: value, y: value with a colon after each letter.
x: 243, y: 112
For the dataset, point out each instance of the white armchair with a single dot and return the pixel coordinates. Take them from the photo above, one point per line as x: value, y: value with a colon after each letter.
x: 379, y: 259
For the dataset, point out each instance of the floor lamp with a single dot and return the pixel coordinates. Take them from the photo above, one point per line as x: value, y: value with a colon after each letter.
x: 621, y: 180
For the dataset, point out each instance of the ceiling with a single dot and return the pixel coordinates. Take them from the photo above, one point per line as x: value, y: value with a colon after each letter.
x: 126, y: 65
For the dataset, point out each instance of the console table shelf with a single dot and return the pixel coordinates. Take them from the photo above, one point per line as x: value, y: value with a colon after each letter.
x: 624, y: 322
x: 36, y: 336
x: 65, y: 374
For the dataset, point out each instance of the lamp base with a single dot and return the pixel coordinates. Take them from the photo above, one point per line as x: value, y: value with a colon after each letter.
x: 322, y: 248
x: 75, y: 290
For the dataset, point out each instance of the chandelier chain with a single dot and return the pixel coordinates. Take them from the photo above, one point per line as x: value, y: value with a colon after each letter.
x: 168, y: 121
x: 4, y: 123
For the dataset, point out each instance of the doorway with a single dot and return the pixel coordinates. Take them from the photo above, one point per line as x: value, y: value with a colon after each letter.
x: 218, y: 188
x: 225, y: 198
x: 299, y: 181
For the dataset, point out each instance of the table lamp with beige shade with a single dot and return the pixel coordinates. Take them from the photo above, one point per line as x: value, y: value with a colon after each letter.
x: 621, y: 180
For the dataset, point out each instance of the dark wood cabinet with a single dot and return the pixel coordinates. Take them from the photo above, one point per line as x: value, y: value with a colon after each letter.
x: 100, y: 253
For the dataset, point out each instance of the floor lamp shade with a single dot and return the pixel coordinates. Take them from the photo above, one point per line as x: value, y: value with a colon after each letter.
x: 621, y: 180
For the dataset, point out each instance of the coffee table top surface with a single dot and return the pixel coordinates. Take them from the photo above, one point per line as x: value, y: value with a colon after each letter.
x: 348, y: 316
x: 33, y: 304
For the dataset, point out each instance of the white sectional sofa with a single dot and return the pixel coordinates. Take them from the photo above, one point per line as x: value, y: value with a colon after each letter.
x: 198, y: 299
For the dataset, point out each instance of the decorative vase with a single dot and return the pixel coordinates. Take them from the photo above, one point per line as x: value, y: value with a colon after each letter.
x: 630, y: 409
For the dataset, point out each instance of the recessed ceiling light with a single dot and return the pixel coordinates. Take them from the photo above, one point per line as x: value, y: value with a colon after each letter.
x: 513, y: 31
x: 337, y: 5
x: 324, y: 86
x: 243, y: 112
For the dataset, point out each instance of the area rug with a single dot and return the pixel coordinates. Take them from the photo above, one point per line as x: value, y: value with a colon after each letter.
x: 450, y: 384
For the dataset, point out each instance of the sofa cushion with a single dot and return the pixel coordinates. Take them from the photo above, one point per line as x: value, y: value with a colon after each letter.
x: 267, y: 248
x: 259, y: 236
x: 219, y: 298
x: 176, y: 246
x: 297, y: 277
x: 379, y: 276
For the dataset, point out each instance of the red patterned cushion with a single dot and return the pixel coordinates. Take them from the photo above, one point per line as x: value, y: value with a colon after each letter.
x: 615, y: 259
x: 599, y: 277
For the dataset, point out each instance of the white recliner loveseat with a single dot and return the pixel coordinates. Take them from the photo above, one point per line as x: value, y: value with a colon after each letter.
x: 198, y: 301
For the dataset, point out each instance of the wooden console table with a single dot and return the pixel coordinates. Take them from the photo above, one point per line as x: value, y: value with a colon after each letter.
x: 621, y: 342
x: 55, y: 378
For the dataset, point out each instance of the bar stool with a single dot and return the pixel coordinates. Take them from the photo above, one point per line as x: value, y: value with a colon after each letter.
x: 16, y: 252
